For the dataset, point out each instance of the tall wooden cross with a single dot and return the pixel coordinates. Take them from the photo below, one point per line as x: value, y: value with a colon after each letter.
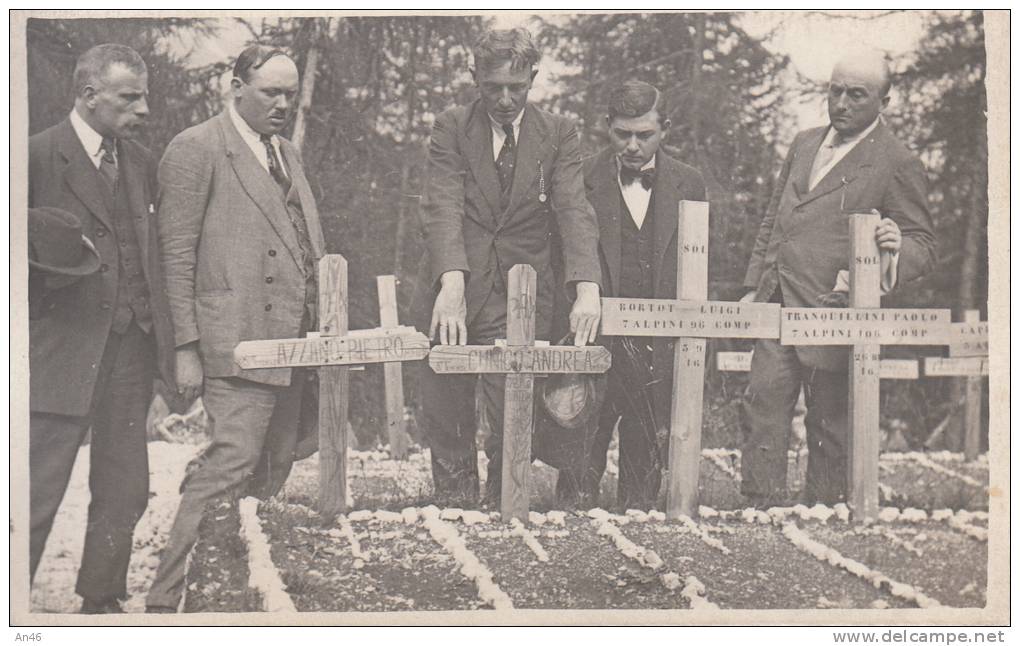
x: 520, y: 360
x: 393, y: 372
x: 691, y: 319
x: 331, y: 350
x: 864, y: 325
x: 968, y: 357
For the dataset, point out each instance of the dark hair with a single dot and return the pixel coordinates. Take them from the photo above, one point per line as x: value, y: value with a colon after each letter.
x: 254, y: 57
x: 634, y: 98
x: 95, y: 63
x: 497, y: 46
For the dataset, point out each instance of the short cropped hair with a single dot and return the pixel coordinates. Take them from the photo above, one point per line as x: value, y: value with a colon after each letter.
x: 96, y: 62
x: 634, y: 98
x: 497, y: 46
x: 254, y: 57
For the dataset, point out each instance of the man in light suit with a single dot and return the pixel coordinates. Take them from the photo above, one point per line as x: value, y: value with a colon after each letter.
x: 240, y: 240
x: 853, y: 165
x: 503, y: 182
x: 635, y: 189
x: 92, y: 341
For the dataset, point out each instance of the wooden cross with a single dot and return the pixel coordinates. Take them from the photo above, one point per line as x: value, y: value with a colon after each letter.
x: 331, y: 350
x: 692, y: 319
x: 968, y: 357
x: 393, y: 371
x: 520, y: 359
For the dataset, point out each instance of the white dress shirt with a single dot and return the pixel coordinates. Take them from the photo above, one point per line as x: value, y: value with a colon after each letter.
x: 498, y: 136
x: 91, y: 140
x: 254, y: 140
x: 839, y: 151
x: 635, y: 195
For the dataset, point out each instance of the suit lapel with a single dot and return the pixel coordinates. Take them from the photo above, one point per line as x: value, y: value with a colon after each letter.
x: 81, y: 176
x: 604, y: 194
x: 666, y: 198
x: 845, y: 171
x: 479, y: 153
x: 299, y: 183
x: 132, y: 172
x: 801, y: 171
x: 259, y: 185
x: 533, y: 135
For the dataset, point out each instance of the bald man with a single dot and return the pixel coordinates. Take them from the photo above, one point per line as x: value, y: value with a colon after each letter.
x: 853, y: 165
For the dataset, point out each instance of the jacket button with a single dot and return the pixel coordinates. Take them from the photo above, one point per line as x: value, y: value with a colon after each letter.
x: 101, y: 233
x: 269, y: 307
x: 269, y: 279
x: 104, y: 268
x: 104, y: 306
x: 272, y: 252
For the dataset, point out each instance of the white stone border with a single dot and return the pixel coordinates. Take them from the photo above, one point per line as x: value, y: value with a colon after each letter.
x: 447, y: 536
x: 693, y: 591
x: 927, y: 462
x: 826, y: 554
x: 262, y: 574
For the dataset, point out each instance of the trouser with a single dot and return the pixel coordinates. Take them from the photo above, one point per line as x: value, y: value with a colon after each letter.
x: 118, y: 465
x: 244, y: 418
x: 448, y: 407
x: 776, y: 379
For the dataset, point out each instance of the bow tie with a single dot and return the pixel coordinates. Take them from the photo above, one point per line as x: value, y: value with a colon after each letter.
x: 646, y: 177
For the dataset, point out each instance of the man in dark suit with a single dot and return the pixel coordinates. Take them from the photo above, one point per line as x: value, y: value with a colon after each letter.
x: 240, y: 240
x: 853, y: 165
x: 503, y: 179
x: 93, y: 343
x: 635, y: 189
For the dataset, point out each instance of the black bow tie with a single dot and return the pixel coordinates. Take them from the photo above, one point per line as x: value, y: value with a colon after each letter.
x: 646, y: 177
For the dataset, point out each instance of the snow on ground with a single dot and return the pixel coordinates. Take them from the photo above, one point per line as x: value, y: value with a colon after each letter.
x: 53, y: 589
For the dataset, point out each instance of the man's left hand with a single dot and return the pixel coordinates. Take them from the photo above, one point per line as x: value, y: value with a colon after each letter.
x: 888, y: 236
x: 586, y: 313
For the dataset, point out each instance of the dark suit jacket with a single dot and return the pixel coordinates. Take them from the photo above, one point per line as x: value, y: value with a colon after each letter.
x: 229, y: 249
x: 804, y: 239
x: 68, y: 335
x: 465, y: 228
x: 674, y: 181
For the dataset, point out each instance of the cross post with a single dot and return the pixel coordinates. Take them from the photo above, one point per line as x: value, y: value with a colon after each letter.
x: 520, y: 360
x: 393, y: 371
x: 332, y: 350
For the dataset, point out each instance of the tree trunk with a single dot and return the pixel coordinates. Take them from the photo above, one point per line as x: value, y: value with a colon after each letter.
x: 307, y: 85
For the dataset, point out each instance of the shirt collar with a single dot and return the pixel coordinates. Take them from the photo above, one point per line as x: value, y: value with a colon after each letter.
x: 90, y: 139
x: 830, y: 136
x: 498, y: 127
x: 248, y: 133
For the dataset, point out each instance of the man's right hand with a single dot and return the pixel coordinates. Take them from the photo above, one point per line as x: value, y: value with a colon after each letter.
x: 749, y: 296
x: 449, y: 314
x: 188, y: 371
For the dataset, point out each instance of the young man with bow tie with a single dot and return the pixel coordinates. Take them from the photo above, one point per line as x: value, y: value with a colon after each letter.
x: 503, y: 186
x: 853, y: 165
x: 635, y: 189
x: 240, y: 241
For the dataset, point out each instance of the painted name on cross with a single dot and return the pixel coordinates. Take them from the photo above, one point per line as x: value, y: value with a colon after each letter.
x: 495, y: 359
x: 969, y: 339
x: 331, y: 351
x: 708, y: 319
x: 842, y: 326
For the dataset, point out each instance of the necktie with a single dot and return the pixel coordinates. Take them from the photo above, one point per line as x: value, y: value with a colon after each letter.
x: 108, y: 163
x: 824, y: 157
x: 505, y: 159
x: 296, y: 217
x: 645, y: 176
x: 275, y: 167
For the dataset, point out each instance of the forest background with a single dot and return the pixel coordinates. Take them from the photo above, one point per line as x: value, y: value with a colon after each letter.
x: 739, y: 86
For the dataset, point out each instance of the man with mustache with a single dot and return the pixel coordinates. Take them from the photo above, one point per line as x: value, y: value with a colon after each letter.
x: 853, y: 165
x: 503, y: 186
x: 93, y: 335
x: 240, y: 241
